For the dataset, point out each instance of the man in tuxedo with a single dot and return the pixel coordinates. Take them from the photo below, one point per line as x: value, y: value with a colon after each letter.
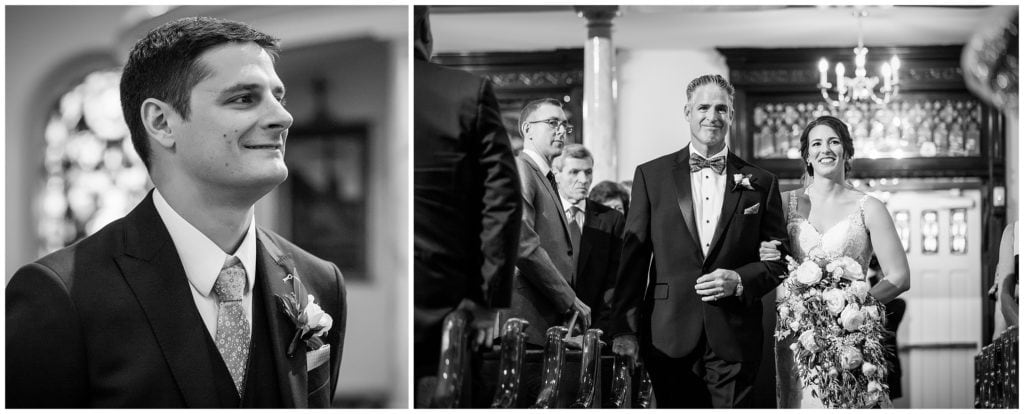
x: 185, y: 302
x: 595, y: 228
x: 467, y: 209
x: 543, y: 293
x: 701, y: 213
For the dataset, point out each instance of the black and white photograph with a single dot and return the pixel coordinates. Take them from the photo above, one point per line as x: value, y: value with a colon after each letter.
x: 206, y: 206
x: 715, y: 206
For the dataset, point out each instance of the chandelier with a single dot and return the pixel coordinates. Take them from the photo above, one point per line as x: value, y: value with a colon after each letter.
x: 860, y: 87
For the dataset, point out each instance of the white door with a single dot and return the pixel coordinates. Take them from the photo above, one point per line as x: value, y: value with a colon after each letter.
x: 941, y: 331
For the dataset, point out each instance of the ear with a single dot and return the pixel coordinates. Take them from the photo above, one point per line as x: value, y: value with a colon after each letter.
x: 157, y: 117
x: 524, y: 129
x: 686, y: 111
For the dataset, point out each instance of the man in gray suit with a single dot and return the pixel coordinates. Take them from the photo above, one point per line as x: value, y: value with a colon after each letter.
x: 543, y: 293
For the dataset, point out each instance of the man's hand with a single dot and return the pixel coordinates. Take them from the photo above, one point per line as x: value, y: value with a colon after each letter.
x: 584, y: 311
x: 769, y: 251
x: 483, y: 324
x: 626, y: 345
x: 718, y: 284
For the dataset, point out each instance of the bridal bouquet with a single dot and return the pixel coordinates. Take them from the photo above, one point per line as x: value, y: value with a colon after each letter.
x: 824, y: 305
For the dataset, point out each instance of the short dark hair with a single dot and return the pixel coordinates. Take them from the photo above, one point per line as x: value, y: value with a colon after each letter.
x: 708, y: 80
x: 845, y: 139
x: 577, y: 151
x: 165, y: 65
x: 532, y: 107
x: 607, y: 190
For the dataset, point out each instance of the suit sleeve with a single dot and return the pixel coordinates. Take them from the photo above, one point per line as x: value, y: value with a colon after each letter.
x: 534, y: 263
x: 46, y: 365
x: 604, y: 314
x: 502, y: 206
x: 635, y: 261
x: 338, y: 345
x: 761, y: 277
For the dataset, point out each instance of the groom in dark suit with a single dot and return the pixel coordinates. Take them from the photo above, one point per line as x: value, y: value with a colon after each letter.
x: 185, y: 302
x: 701, y: 212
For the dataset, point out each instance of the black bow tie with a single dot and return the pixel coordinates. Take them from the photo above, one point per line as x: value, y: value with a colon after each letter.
x: 698, y: 162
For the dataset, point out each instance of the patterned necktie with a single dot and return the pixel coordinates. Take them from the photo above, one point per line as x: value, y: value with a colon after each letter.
x: 716, y: 164
x: 232, y: 326
x: 551, y: 179
x: 574, y: 227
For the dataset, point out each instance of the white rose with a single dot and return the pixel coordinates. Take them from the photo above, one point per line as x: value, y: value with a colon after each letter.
x: 794, y: 326
x: 782, y: 294
x: 315, y: 319
x: 845, y: 267
x: 835, y: 300
x: 868, y: 369
x: 871, y: 312
x: 874, y: 386
x: 783, y: 312
x: 852, y: 318
x: 859, y: 289
x: 807, y: 340
x: 808, y: 273
x: 850, y: 358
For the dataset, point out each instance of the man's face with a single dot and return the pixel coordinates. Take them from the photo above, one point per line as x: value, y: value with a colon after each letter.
x: 540, y: 136
x: 575, y: 177
x: 236, y: 133
x: 709, y: 113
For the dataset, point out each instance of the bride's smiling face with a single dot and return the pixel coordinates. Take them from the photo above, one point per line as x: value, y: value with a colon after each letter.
x: 825, y: 151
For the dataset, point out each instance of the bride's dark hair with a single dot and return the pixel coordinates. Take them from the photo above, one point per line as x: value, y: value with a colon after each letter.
x: 840, y: 129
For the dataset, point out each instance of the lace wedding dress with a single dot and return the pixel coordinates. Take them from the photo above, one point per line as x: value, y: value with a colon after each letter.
x: 848, y: 237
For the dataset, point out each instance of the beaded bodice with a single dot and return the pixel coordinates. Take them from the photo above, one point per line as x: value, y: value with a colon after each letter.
x: 848, y: 237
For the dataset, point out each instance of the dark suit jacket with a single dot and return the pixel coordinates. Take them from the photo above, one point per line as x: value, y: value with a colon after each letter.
x: 465, y: 201
x: 110, y: 322
x: 661, y: 221
x: 465, y: 191
x: 598, y: 261
x: 542, y: 293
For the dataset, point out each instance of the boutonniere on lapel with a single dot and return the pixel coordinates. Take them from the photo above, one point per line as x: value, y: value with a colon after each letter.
x: 311, y: 322
x: 743, y: 181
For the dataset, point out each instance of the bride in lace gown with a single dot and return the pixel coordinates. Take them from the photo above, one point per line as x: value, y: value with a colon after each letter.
x: 831, y: 216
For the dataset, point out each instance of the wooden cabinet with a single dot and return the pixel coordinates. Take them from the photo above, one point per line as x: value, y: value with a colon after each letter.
x: 933, y: 128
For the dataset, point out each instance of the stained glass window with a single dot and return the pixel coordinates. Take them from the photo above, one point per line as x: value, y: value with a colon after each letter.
x: 92, y: 174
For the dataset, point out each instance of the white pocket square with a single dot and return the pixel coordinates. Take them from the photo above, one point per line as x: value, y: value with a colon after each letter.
x: 752, y: 209
x: 318, y: 357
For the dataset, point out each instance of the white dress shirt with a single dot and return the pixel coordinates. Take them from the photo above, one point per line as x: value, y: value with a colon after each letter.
x: 203, y: 260
x: 541, y: 162
x: 708, y: 190
x: 580, y: 215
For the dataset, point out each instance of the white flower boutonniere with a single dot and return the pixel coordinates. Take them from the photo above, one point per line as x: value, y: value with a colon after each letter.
x: 311, y: 322
x: 743, y: 181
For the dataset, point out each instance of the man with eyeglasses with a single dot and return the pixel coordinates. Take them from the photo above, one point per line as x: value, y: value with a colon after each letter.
x: 543, y: 293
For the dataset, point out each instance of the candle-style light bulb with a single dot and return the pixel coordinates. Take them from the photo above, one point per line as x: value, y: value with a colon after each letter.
x: 895, y: 69
x: 822, y: 70
x: 840, y: 72
x: 886, y: 76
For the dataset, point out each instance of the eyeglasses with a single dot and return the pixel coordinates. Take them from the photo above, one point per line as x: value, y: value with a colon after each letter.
x: 555, y: 123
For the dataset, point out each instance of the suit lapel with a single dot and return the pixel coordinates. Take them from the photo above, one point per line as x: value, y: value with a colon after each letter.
x: 591, y: 222
x: 272, y: 268
x: 684, y: 195
x: 151, y: 267
x: 729, y: 201
x: 553, y: 195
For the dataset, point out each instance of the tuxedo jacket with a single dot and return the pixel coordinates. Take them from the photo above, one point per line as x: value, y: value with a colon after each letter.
x: 598, y: 261
x: 110, y: 322
x: 541, y: 292
x: 661, y: 222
